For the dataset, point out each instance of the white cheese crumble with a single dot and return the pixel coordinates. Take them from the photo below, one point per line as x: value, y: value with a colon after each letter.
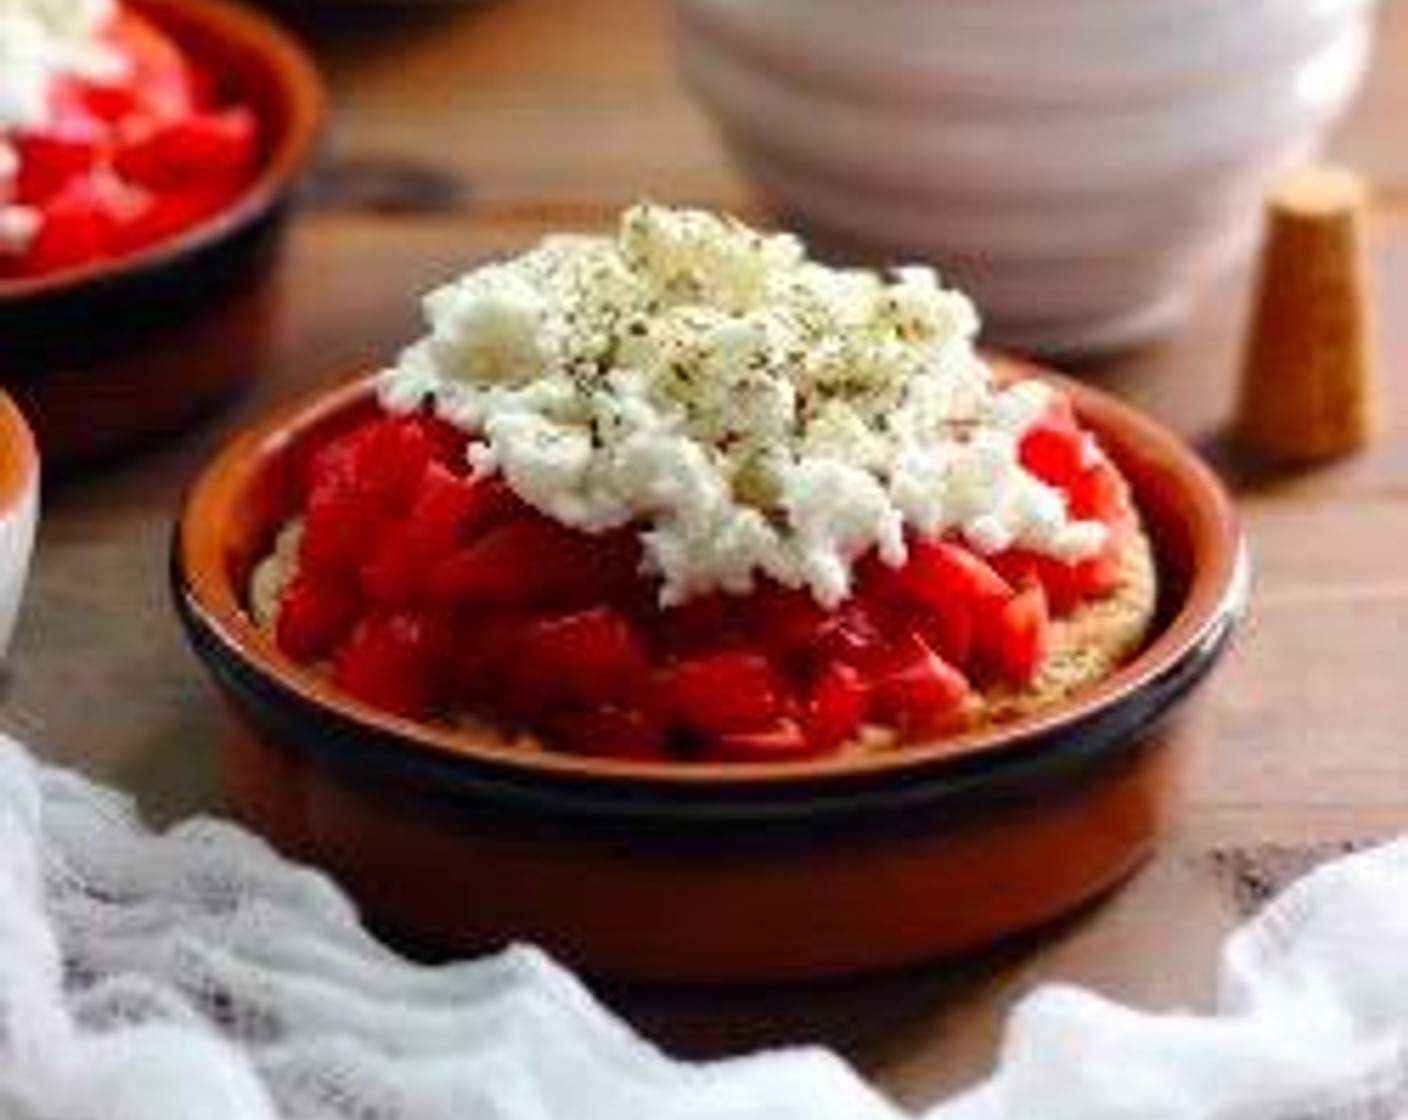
x: 41, y: 40
x: 755, y: 412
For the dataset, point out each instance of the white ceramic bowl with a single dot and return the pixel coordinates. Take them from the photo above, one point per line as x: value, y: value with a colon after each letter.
x: 1077, y: 164
x: 19, y: 510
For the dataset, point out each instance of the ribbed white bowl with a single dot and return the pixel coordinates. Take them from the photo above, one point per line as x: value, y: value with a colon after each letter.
x: 1077, y: 164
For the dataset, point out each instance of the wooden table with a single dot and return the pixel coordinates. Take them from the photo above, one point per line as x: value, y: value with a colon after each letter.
x: 466, y: 130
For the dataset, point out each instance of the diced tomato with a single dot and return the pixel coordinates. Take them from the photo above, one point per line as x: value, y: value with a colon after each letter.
x: 447, y: 443
x: 392, y: 460
x: 443, y: 503
x: 835, y: 706
x: 591, y: 657
x: 1098, y: 493
x: 1023, y: 637
x: 1059, y: 580
x: 315, y: 615
x: 852, y: 634
x: 122, y: 164
x: 71, y: 115
x: 534, y: 562
x: 1101, y: 574
x: 199, y: 150
x: 701, y: 623
x: 626, y: 733
x: 720, y: 693
x: 493, y: 504
x: 918, y: 692
x: 790, y: 621
x: 341, y: 526
x: 1053, y: 450
x: 159, y: 75
x: 155, y: 216
x: 938, y: 575
x: 480, y: 655
x: 76, y: 225
x: 782, y: 741
x: 950, y: 630
x: 49, y: 160
x: 395, y: 572
x: 391, y: 662
x: 471, y: 598
x: 385, y: 460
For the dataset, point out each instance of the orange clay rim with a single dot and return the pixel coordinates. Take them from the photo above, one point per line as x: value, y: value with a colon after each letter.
x: 304, y: 105
x: 1217, y: 586
x: 19, y: 457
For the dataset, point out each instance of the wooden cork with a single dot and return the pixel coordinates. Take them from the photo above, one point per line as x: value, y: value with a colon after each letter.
x: 1308, y: 382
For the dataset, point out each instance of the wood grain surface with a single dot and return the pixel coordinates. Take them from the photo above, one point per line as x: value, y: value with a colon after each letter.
x: 465, y: 130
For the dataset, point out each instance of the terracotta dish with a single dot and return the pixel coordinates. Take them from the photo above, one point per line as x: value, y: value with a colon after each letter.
x: 19, y: 510
x: 104, y: 355
x: 704, y: 872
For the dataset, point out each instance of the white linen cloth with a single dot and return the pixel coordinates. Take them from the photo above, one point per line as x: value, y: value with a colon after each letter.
x: 195, y: 974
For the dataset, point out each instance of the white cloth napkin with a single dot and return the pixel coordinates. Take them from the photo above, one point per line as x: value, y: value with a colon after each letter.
x: 195, y: 974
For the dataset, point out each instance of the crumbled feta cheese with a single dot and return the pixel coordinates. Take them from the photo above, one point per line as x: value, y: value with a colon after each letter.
x: 19, y: 226
x: 755, y: 412
x: 43, y: 39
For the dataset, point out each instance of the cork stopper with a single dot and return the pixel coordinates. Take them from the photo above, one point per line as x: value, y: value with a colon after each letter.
x: 1308, y: 382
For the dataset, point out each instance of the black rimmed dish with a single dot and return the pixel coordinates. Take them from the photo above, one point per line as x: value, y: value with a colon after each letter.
x: 103, y: 356
x: 720, y: 872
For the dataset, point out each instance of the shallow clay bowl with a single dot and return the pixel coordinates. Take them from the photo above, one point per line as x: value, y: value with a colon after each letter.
x: 19, y: 509
x: 103, y: 356
x: 686, y: 872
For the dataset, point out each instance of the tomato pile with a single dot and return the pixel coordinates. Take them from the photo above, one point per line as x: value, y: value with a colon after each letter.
x: 121, y: 166
x: 428, y: 592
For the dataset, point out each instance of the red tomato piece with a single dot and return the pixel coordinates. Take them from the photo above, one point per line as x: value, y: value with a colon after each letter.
x: 1023, y: 638
x: 534, y: 562
x: 385, y: 459
x: 943, y: 577
x: 701, y: 623
x: 155, y: 216
x: 391, y: 662
x: 625, y: 733
x: 71, y: 116
x: 787, y: 620
x: 163, y: 82
x: 442, y: 504
x: 395, y: 573
x: 588, y: 658
x: 853, y: 634
x: 192, y: 151
x: 315, y: 615
x: 835, y: 706
x: 918, y: 692
x: 448, y: 444
x: 341, y: 525
x: 76, y: 226
x: 779, y: 742
x: 480, y: 655
x: 1098, y: 493
x: 717, y: 694
x: 951, y: 631
x: 1101, y: 574
x: 1053, y: 450
x: 1059, y: 580
x: 493, y: 504
x: 49, y: 161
